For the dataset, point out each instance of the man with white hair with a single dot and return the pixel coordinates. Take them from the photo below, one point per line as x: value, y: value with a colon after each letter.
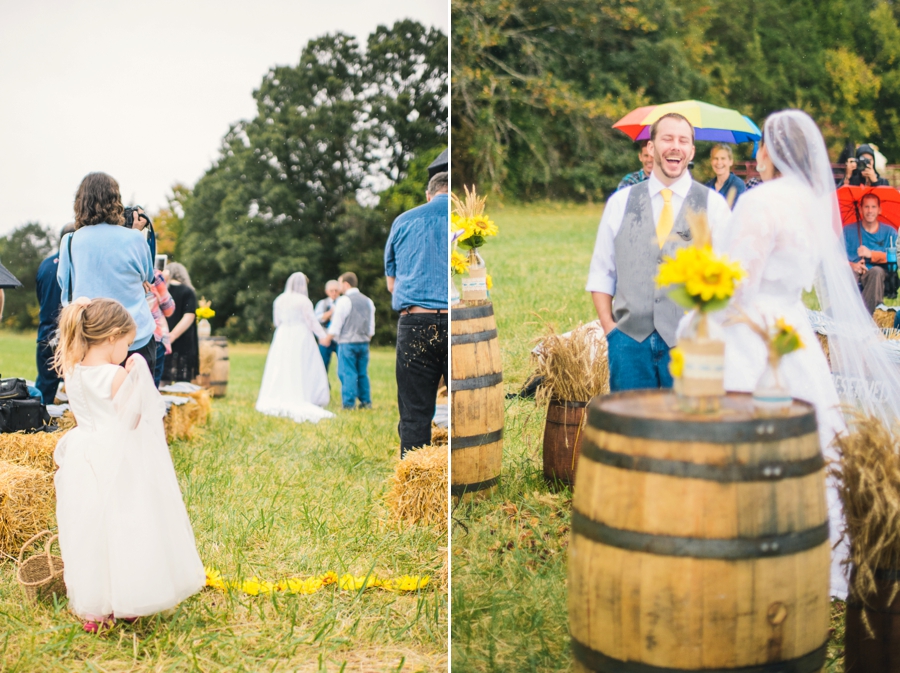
x: 324, y: 311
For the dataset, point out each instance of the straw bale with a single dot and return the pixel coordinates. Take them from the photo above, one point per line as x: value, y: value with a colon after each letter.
x: 31, y: 450
x: 439, y: 435
x: 179, y: 422
x: 868, y: 478
x: 27, y: 503
x: 574, y: 366
x: 884, y: 319
x: 66, y: 421
x: 198, y: 412
x: 418, y: 492
x: 823, y: 341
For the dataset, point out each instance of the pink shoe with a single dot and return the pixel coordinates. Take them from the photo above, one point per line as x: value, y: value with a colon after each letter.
x: 99, y: 626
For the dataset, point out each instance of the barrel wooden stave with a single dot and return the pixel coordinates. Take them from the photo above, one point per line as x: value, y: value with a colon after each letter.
x: 563, y: 434
x: 881, y: 654
x: 476, y: 412
x: 697, y: 613
x: 218, y: 377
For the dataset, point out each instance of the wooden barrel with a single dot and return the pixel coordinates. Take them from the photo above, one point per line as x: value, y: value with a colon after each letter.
x: 562, y: 440
x: 476, y: 400
x: 881, y: 654
x: 218, y: 377
x: 699, y: 542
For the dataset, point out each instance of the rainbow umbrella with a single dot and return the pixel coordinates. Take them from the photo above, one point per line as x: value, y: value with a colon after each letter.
x: 711, y: 122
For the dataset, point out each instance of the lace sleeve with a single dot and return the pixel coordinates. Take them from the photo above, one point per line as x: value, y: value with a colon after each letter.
x: 750, y: 240
x: 309, y: 316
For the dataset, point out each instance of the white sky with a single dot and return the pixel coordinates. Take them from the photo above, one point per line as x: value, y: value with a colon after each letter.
x: 145, y: 89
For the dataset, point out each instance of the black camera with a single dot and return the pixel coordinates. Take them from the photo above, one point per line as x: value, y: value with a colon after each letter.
x: 129, y: 216
x: 863, y: 163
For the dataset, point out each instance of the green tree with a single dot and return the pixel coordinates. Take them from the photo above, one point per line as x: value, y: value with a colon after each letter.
x: 22, y: 251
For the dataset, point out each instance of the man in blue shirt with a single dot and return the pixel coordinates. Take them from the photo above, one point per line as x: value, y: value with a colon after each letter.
x: 416, y: 266
x: 646, y: 157
x: 867, y: 243
x: 49, y: 299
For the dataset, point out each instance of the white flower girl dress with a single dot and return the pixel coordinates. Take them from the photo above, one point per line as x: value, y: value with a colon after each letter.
x: 124, y: 533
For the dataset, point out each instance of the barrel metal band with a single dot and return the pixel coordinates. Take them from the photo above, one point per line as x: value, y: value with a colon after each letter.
x: 485, y: 381
x: 472, y: 312
x: 694, y: 547
x: 475, y: 337
x: 475, y: 440
x: 462, y: 489
x: 711, y: 431
x: 811, y: 662
x: 733, y: 472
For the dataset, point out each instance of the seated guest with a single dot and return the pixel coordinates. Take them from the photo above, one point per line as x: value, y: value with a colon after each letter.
x: 726, y: 183
x: 867, y: 243
x: 646, y: 157
x: 861, y: 170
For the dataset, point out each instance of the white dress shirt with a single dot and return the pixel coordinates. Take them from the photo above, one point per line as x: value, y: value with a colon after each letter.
x: 602, y: 276
x: 342, y: 308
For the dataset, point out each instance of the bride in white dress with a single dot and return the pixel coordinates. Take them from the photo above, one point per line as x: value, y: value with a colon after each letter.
x: 295, y: 383
x: 787, y: 235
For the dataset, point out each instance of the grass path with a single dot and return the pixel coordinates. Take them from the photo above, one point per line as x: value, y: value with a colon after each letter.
x: 270, y: 498
x: 509, y: 558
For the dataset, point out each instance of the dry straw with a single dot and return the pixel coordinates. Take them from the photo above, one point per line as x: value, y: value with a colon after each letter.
x: 32, y: 450
x: 418, y: 492
x: 884, y: 319
x: 574, y: 367
x: 439, y: 435
x: 26, y: 504
x: 207, y: 357
x: 868, y: 477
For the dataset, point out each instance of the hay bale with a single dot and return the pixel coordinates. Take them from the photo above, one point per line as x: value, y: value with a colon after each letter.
x: 66, y: 421
x: 179, y: 421
x: 884, y: 319
x: 418, y: 492
x: 574, y: 366
x: 27, y: 504
x: 198, y: 412
x: 31, y: 450
x: 823, y: 341
x: 439, y: 435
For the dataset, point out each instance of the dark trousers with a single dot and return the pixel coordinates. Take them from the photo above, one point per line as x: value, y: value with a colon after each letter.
x: 160, y: 362
x: 637, y: 364
x: 148, y: 352
x: 47, y: 379
x: 872, y: 283
x: 422, y: 359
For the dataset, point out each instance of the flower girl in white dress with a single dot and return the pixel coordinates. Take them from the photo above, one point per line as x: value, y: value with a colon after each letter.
x: 124, y: 533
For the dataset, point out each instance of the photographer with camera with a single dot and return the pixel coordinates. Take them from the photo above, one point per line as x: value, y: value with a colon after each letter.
x: 861, y: 170
x: 104, y: 259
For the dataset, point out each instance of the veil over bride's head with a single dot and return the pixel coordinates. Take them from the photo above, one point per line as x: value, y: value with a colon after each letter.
x: 297, y: 284
x: 865, y: 374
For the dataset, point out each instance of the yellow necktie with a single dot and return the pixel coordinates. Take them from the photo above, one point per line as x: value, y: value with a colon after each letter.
x: 666, y: 218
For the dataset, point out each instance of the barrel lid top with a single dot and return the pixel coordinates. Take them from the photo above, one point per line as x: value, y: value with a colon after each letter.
x: 655, y: 414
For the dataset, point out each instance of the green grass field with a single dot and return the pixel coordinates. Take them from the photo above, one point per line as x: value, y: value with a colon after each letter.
x: 509, y: 560
x: 269, y: 498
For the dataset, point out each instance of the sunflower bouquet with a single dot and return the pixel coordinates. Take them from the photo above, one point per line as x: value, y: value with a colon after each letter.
x: 204, y: 312
x: 472, y: 227
x: 698, y: 279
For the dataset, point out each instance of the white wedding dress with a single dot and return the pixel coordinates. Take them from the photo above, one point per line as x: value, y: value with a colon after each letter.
x: 776, y: 245
x: 125, y: 536
x: 295, y: 383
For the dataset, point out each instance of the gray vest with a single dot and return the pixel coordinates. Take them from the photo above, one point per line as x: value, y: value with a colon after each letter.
x: 355, y: 329
x: 640, y: 307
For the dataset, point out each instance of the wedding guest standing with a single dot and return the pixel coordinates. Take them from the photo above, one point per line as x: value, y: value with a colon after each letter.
x: 183, y: 364
x: 415, y: 264
x: 50, y: 302
x: 726, y: 183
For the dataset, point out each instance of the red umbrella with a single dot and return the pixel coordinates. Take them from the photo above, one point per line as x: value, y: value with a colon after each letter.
x: 850, y: 200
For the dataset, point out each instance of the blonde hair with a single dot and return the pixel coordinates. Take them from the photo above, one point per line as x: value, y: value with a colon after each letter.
x: 85, y: 323
x: 724, y: 148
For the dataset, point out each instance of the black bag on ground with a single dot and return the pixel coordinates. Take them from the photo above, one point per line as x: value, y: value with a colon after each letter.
x: 13, y: 389
x: 18, y: 415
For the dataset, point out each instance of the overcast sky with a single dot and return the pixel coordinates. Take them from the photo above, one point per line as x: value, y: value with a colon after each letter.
x: 145, y: 90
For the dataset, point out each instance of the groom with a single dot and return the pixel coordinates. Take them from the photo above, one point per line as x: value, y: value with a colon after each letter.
x: 640, y: 226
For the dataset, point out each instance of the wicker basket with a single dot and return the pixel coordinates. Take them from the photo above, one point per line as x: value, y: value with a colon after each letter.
x: 41, y: 575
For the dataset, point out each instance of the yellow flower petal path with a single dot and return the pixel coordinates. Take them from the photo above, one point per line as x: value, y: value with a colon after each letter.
x: 253, y: 586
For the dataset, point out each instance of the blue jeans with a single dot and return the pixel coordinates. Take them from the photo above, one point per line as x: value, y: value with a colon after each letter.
x: 637, y: 364
x: 326, y: 352
x: 47, y: 379
x: 160, y: 363
x: 353, y: 371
